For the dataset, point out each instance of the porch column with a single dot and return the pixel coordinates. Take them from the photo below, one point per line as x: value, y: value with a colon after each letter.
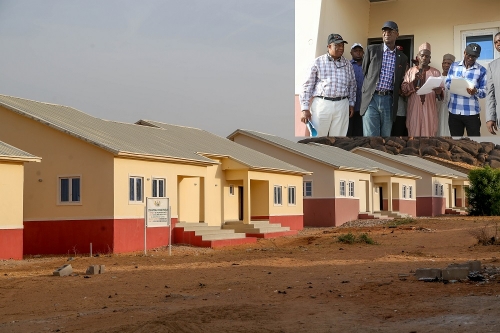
x: 247, y: 217
x: 389, y: 196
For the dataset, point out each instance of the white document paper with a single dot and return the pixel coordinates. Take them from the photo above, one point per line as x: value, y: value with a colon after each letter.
x: 459, y: 86
x: 431, y: 83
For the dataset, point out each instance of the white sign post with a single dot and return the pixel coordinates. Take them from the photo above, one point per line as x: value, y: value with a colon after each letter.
x: 158, y: 215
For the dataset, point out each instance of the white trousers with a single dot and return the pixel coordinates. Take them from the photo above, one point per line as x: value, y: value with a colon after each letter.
x: 330, y: 118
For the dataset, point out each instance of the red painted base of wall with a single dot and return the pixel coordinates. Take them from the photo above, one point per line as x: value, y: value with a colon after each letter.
x: 106, y: 236
x: 459, y: 202
x: 430, y: 206
x: 330, y: 212
x: 405, y: 206
x: 385, y: 204
x: 11, y: 244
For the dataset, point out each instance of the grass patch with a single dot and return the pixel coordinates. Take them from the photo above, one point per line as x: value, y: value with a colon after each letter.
x: 350, y: 238
x: 401, y: 221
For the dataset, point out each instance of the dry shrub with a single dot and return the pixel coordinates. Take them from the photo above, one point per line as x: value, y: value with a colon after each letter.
x: 487, y: 234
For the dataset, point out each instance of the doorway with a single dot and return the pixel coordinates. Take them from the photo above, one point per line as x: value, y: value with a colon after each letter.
x: 240, y: 203
x: 381, y: 198
x: 405, y: 41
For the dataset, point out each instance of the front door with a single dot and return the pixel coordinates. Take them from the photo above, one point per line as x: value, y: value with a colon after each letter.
x: 381, y: 195
x: 240, y: 203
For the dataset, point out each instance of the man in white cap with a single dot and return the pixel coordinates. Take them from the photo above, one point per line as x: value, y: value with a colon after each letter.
x: 331, y: 85
x: 356, y: 122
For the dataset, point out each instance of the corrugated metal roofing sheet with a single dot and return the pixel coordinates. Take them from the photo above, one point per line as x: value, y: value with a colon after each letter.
x: 178, y: 142
x: 204, y: 142
x: 11, y: 151
x: 417, y: 162
x: 333, y: 156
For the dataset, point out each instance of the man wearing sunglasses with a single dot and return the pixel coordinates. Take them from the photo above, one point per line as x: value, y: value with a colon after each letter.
x: 331, y: 85
x: 464, y: 110
x: 384, y: 67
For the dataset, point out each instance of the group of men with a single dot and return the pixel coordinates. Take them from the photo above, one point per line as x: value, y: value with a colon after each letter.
x: 377, y: 94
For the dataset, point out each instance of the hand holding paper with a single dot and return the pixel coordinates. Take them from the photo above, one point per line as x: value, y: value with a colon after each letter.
x: 431, y: 83
x: 459, y: 86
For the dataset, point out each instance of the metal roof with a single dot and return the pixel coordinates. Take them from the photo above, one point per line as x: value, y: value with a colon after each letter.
x: 417, y: 163
x: 206, y: 143
x: 12, y: 153
x: 179, y: 144
x: 332, y: 156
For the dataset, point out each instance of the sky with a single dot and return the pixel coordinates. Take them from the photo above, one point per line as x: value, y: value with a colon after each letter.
x: 218, y: 65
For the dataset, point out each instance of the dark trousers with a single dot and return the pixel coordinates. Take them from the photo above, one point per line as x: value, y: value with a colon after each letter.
x: 458, y: 123
x: 399, y: 127
x: 355, y: 125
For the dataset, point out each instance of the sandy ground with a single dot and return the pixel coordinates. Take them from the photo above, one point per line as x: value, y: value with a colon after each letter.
x: 304, y: 283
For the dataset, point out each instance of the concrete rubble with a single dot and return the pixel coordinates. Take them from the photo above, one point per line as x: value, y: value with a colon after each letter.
x: 95, y: 269
x: 469, y: 271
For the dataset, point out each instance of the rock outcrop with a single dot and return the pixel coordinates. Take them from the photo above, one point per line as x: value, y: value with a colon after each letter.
x: 462, y: 150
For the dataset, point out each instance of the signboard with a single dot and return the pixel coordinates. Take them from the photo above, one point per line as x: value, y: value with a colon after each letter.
x: 157, y: 212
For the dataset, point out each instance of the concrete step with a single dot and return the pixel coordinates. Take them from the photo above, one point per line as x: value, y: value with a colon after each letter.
x: 374, y: 215
x: 394, y: 214
x: 212, y: 237
x: 260, y: 229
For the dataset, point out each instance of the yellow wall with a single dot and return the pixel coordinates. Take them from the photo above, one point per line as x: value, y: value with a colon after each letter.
x: 62, y: 155
x: 189, y: 199
x: 260, y: 197
x: 172, y: 172
x: 11, y: 195
x: 230, y: 202
x: 349, y: 18
x: 351, y: 176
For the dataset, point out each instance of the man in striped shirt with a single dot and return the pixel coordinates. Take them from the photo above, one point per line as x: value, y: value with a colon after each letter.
x: 331, y: 85
x: 464, y: 110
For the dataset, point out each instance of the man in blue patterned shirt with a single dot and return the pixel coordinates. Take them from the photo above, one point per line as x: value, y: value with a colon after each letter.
x: 464, y: 110
x: 356, y: 122
x: 331, y: 86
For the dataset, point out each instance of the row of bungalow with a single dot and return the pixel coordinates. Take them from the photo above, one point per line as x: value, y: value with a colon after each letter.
x: 69, y: 180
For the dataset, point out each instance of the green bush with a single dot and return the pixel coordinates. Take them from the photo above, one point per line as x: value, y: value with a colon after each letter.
x: 350, y: 238
x: 483, y: 192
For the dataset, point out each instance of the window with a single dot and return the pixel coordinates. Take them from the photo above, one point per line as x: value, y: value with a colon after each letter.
x: 441, y: 190
x: 308, y: 187
x: 404, y: 192
x: 135, y: 189
x: 351, y: 189
x: 410, y: 192
x: 436, y: 189
x: 485, y: 39
x: 158, y: 188
x: 342, y: 188
x: 291, y: 195
x: 69, y: 189
x: 231, y: 189
x: 277, y: 195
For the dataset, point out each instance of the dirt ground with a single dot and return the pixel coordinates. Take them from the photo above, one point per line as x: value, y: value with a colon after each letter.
x: 304, y: 283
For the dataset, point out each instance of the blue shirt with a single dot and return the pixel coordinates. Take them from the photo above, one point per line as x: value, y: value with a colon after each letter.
x: 360, y: 77
x: 462, y: 105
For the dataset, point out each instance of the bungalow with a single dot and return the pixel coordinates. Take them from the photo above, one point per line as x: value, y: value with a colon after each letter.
x: 440, y: 189
x: 343, y: 185
x: 12, y: 162
x: 96, y: 174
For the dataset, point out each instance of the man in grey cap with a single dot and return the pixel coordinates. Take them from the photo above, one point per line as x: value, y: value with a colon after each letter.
x: 493, y: 94
x: 331, y: 85
x: 464, y: 110
x: 384, y: 67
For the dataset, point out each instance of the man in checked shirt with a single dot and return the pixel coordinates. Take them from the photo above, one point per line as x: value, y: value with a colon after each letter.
x: 331, y: 85
x: 464, y: 110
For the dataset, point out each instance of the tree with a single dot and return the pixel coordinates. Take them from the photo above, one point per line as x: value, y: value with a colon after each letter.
x: 483, y: 192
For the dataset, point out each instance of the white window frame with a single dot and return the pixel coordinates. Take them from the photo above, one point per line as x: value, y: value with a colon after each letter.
x: 342, y: 188
x: 441, y: 190
x: 410, y: 192
x: 158, y: 179
x: 278, y: 195
x: 135, y: 201
x: 403, y: 192
x: 350, y: 188
x: 461, y: 32
x: 304, y: 191
x: 292, y: 195
x: 231, y: 190
x: 70, y: 190
x: 436, y: 189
